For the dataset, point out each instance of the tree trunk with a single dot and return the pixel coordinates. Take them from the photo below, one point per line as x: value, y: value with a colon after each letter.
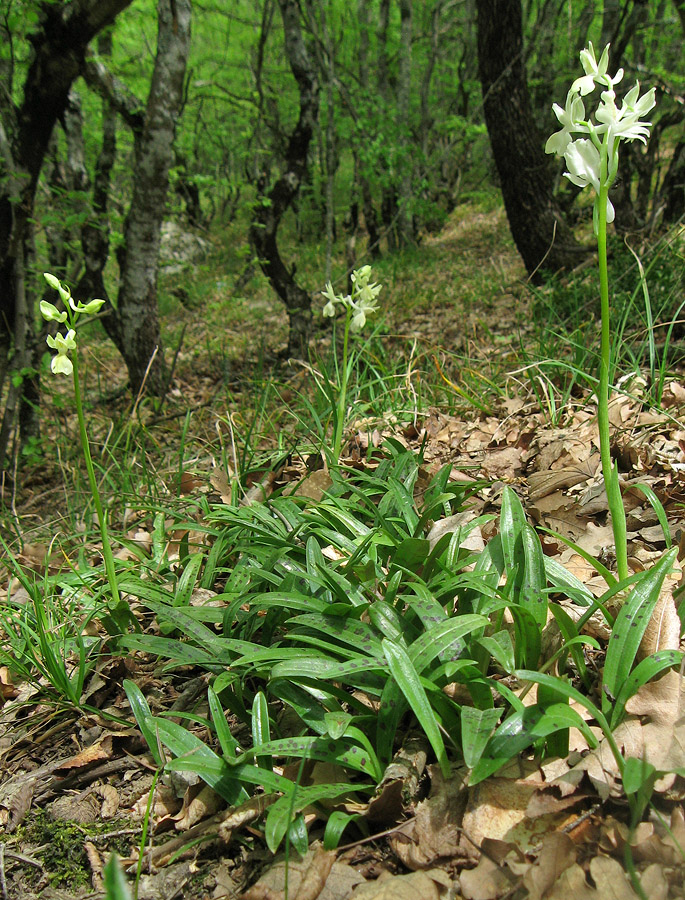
x: 95, y: 231
x: 673, y: 187
x: 542, y: 237
x: 406, y: 193
x: 368, y: 206
x: 58, y: 44
x: 135, y: 325
x: 271, y: 207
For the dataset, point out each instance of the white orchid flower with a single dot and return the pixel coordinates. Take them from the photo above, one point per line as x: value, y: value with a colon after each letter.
x: 594, y: 71
x: 90, y: 308
x: 583, y: 161
x: 329, y: 308
x: 625, y: 122
x: 362, y: 301
x: 63, y: 344
x: 50, y: 313
x: 361, y: 309
x: 572, y: 118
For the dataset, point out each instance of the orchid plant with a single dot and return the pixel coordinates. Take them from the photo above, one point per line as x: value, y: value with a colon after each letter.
x: 358, y: 306
x: 590, y: 147
x: 65, y: 362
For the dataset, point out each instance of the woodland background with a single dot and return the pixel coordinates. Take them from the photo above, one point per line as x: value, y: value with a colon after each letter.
x: 359, y: 125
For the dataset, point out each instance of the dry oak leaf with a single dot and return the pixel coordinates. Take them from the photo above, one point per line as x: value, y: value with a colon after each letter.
x: 495, y: 808
x: 429, y: 885
x: 197, y: 806
x: 664, y: 734
x: 651, y: 841
x: 314, y: 877
x: 663, y: 629
x: 434, y: 831
x: 557, y: 854
x: 494, y: 876
x: 610, y: 880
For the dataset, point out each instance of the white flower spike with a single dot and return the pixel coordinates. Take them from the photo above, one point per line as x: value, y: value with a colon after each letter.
x: 593, y: 158
x: 361, y: 302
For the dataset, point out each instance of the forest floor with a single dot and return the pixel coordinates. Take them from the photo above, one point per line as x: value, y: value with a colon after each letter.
x: 75, y: 785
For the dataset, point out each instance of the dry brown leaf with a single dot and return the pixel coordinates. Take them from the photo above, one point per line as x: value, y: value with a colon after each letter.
x: 338, y: 883
x: 650, y: 841
x: 434, y: 832
x: 314, y: 485
x: 654, y: 882
x: 96, y: 865
x: 98, y: 752
x: 401, y: 779
x: 505, y: 464
x: 495, y: 807
x: 452, y: 524
x: 664, y: 735
x: 315, y: 875
x: 244, y: 814
x: 600, y: 764
x: 610, y: 880
x: 201, y: 806
x: 430, y: 885
x: 219, y: 481
x: 557, y: 854
x: 487, y: 881
x: 542, y: 484
x: 663, y: 628
x: 20, y: 804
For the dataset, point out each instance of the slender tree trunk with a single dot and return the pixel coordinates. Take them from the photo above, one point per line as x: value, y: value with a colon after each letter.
x: 368, y: 206
x: 389, y: 189
x: 135, y: 327
x: 271, y: 207
x: 539, y: 231
x: 406, y: 193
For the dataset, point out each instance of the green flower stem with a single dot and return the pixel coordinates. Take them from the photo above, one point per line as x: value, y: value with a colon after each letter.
x: 609, y: 472
x: 342, y: 394
x: 85, y: 445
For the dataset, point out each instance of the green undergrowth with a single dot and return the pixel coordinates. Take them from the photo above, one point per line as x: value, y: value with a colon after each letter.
x: 341, y: 626
x: 61, y: 847
x: 558, y: 362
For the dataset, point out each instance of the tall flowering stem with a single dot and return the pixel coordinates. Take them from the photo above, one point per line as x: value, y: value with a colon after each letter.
x: 342, y: 393
x: 358, y: 306
x: 592, y: 161
x: 107, y: 554
x: 66, y: 362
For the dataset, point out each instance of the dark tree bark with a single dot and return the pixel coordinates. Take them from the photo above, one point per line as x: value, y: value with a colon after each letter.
x: 134, y: 324
x: 673, y: 188
x: 271, y: 207
x: 58, y: 44
x: 542, y: 237
x: 95, y: 231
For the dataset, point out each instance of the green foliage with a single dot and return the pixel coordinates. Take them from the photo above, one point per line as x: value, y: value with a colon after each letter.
x: 331, y: 602
x: 116, y: 886
x: 44, y: 635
